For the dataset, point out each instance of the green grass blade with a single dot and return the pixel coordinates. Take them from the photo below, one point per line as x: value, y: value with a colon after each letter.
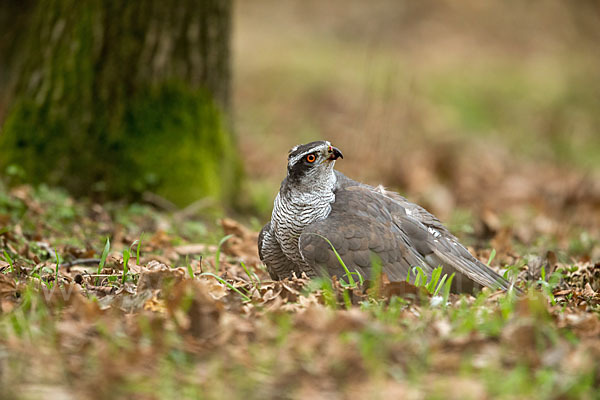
x: 492, y: 256
x: 103, y: 258
x: 126, y: 256
x: 435, y: 278
x: 137, y: 251
x: 188, y: 265
x: 447, y: 287
x: 376, y: 276
x: 326, y: 288
x: 246, y: 271
x: 218, y: 253
x: 57, y: 264
x: 229, y: 285
x: 420, y: 278
x: 9, y: 261
x: 361, y: 280
x: 251, y: 275
x: 347, y: 300
x: 423, y: 277
x: 543, y: 273
x: 415, y: 272
x: 440, y: 285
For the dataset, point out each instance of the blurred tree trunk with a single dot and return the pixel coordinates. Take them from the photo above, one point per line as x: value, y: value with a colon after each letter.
x: 117, y: 97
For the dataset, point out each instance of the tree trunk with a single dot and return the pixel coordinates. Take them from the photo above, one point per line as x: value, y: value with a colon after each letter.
x: 117, y: 97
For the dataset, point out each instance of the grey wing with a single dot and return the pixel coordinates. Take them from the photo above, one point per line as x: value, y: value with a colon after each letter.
x: 445, y: 251
x: 359, y: 228
x: 433, y: 240
x: 400, y: 239
x: 278, y: 265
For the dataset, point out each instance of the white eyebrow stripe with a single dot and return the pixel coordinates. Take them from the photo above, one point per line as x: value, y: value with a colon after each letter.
x: 297, y: 158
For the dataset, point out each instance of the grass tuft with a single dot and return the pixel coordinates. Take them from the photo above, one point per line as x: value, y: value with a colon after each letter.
x: 9, y: 261
x: 126, y: 255
x: 103, y: 258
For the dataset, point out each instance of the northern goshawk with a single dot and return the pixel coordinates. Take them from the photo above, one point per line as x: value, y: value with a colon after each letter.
x: 361, y: 221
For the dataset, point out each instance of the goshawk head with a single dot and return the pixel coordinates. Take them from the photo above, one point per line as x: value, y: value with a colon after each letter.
x: 311, y: 165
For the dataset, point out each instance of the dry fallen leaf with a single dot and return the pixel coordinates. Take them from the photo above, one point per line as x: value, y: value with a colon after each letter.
x: 154, y: 276
x: 243, y: 244
x: 201, y: 314
x: 195, y: 248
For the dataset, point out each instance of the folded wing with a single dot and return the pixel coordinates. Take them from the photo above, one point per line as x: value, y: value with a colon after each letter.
x: 365, y: 221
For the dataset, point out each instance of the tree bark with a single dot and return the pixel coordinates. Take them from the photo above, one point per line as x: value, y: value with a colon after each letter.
x: 117, y: 97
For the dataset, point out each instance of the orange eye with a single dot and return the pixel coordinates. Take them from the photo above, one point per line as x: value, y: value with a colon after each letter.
x: 311, y: 158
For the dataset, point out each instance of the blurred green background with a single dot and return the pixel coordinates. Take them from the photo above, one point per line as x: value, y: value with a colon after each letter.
x: 481, y: 105
x: 476, y: 104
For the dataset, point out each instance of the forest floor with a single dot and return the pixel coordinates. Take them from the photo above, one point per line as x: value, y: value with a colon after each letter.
x: 491, y: 124
x: 194, y: 314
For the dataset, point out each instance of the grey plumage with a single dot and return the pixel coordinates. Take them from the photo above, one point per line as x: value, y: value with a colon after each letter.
x: 315, y: 201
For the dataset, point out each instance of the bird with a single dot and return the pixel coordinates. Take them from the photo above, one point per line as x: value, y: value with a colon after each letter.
x: 318, y: 208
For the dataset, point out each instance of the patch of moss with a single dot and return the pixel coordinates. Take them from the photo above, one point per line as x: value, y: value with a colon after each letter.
x: 171, y: 140
x: 176, y: 140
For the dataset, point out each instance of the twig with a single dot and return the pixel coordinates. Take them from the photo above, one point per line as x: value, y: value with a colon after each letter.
x: 80, y: 261
x: 194, y: 208
x: 101, y: 289
x: 159, y: 201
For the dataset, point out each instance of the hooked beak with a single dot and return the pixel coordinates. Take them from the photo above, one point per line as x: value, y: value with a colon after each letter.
x: 334, y: 153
